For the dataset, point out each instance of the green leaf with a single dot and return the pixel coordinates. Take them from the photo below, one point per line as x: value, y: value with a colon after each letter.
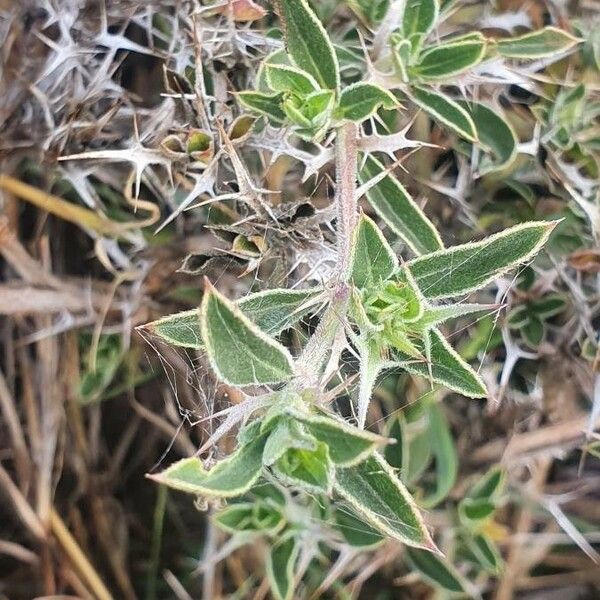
x: 436, y: 570
x: 463, y: 269
x: 450, y: 58
x: 285, y: 78
x: 355, y: 531
x: 446, y: 111
x: 231, y: 477
x: 280, y: 565
x: 278, y: 309
x: 518, y: 317
x: 272, y: 310
x: 400, y: 212
x: 307, y: 42
x: 268, y: 105
x: 549, y: 305
x: 446, y: 367
x: 308, y: 469
x: 246, y: 516
x: 537, y: 44
x: 446, y: 458
x: 490, y: 486
x: 347, y: 445
x: 434, y: 315
x: 411, y: 453
x: 379, y: 498
x: 239, y: 352
x: 495, y: 135
x: 533, y: 331
x: 286, y: 434
x: 373, y: 261
x: 473, y: 512
x: 485, y: 553
x: 311, y: 114
x: 360, y: 100
x: 419, y: 17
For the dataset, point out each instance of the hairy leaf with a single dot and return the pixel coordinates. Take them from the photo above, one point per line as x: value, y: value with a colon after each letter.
x: 347, y: 445
x: 495, y: 134
x: 246, y: 516
x: 380, y: 499
x: 308, y: 469
x: 272, y: 310
x: 445, y: 367
x: 307, y: 42
x: 231, y: 477
x: 268, y: 105
x: 239, y: 352
x: 400, y: 212
x: 285, y: 78
x: 360, y: 100
x: 446, y: 111
x: 419, y: 17
x: 355, y: 531
x: 537, y: 44
x: 373, y: 261
x: 450, y: 58
x: 434, y: 315
x: 286, y: 434
x: 462, y: 269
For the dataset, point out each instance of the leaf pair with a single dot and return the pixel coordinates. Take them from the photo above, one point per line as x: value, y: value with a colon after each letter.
x: 238, y: 333
x: 395, y: 310
x: 305, y: 83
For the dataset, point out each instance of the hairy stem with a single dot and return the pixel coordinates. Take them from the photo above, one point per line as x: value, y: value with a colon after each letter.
x: 315, y: 353
x: 346, y: 156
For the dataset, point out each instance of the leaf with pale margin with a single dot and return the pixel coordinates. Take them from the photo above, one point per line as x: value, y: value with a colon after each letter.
x: 360, y: 100
x: 271, y: 310
x: 379, y: 498
x: 446, y: 111
x: 246, y: 516
x: 450, y: 58
x: 537, y: 44
x: 419, y: 17
x: 280, y: 565
x: 436, y: 570
x: 445, y: 367
x: 231, y: 477
x: 284, y: 78
x: 372, y: 261
x: 307, y: 42
x: 286, y: 434
x: 239, y: 352
x: 308, y: 469
x: 347, y: 445
x: 468, y: 267
x: 435, y: 315
x: 399, y: 211
x: 268, y: 105
x: 484, y: 552
x: 495, y: 135
x: 355, y: 531
x: 446, y: 458
x: 490, y: 486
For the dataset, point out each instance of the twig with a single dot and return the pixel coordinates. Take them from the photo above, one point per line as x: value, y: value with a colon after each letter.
x: 80, y: 562
x: 315, y: 353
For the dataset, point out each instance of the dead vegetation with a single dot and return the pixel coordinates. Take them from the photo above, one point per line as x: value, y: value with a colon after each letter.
x: 123, y: 180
